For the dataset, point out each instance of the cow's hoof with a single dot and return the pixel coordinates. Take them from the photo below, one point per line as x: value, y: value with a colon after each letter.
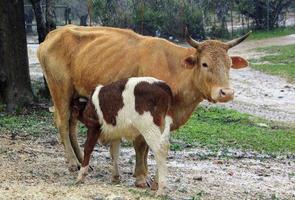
x: 154, y: 185
x: 74, y: 167
x: 116, y: 179
x: 143, y: 182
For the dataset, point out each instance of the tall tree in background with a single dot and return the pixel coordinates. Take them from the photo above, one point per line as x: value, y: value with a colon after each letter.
x: 41, y: 25
x: 50, y: 15
x: 15, y: 85
x: 265, y: 13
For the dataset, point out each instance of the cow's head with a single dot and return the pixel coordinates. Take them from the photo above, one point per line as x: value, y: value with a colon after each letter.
x: 211, y: 64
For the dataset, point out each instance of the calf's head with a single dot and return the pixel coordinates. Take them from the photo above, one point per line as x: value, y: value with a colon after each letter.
x: 211, y: 64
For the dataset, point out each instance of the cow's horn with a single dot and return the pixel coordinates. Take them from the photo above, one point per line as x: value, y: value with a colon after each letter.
x: 190, y: 40
x: 237, y: 41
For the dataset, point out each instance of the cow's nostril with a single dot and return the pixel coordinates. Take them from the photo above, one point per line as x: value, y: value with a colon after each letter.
x: 222, y: 93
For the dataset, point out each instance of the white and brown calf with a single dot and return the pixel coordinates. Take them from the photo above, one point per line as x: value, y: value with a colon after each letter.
x: 129, y: 108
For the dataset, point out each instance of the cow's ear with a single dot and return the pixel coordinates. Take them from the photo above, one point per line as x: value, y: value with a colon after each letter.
x: 190, y: 62
x: 238, y: 62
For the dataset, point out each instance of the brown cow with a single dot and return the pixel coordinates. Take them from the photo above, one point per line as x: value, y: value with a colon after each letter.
x: 75, y: 59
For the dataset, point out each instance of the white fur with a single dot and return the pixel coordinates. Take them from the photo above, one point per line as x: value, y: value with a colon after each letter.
x: 82, y: 174
x: 128, y: 120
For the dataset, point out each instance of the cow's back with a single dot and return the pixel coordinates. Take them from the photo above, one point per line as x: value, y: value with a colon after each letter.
x: 99, y: 55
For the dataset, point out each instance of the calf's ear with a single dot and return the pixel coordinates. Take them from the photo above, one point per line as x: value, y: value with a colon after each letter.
x: 190, y: 62
x: 238, y: 62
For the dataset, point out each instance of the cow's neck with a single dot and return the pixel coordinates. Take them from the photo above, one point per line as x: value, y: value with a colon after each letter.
x: 186, y: 98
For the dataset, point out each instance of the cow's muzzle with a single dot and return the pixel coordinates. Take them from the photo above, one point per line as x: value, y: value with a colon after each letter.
x: 222, y: 94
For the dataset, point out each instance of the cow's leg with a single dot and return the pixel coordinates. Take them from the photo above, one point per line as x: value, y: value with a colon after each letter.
x: 115, y: 151
x: 92, y: 137
x: 62, y: 122
x: 141, y: 168
x: 61, y: 91
x: 73, y: 138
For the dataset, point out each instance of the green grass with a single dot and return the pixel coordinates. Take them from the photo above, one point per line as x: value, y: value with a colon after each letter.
x: 258, y: 35
x: 33, y: 122
x: 281, y: 61
x: 217, y: 128
x: 213, y: 128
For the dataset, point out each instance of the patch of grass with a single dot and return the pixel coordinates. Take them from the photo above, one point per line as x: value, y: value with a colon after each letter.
x: 281, y: 61
x: 264, y: 34
x: 217, y: 128
x: 32, y: 122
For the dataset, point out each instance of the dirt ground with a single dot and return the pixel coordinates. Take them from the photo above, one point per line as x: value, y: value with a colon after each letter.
x: 35, y: 168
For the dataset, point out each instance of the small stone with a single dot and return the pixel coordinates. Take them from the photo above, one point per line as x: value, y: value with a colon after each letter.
x: 7, y: 188
x: 113, y: 197
x: 98, y: 197
x: 182, y: 189
x: 118, y: 198
x: 282, y: 90
x: 197, y: 178
x: 177, y: 180
x: 218, y: 162
x: 262, y: 125
x: 52, y: 141
x: 231, y: 173
x: 280, y: 97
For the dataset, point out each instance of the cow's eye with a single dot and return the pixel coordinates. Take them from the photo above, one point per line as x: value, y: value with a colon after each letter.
x: 205, y: 65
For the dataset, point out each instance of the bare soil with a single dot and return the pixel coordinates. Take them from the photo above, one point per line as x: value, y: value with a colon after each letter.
x: 35, y: 169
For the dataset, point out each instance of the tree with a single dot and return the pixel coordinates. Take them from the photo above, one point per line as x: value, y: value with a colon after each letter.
x: 265, y: 13
x: 50, y: 15
x: 41, y: 26
x: 15, y: 85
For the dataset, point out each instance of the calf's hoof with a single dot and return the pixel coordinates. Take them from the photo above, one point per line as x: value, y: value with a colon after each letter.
x: 154, y: 185
x: 116, y: 179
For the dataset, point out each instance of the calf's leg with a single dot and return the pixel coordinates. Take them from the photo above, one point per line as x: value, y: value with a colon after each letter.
x: 141, y: 168
x: 114, y: 151
x: 160, y: 148
x: 92, y: 137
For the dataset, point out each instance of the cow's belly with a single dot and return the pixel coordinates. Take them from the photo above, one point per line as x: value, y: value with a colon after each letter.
x: 129, y: 133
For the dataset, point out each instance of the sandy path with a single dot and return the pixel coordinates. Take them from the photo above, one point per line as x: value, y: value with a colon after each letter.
x: 35, y: 169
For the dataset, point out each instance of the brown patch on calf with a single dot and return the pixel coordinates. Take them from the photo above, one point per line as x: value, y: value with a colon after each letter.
x: 111, y: 100
x: 154, y: 98
x: 85, y: 112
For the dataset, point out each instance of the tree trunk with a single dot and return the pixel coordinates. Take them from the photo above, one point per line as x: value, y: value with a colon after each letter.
x: 29, y: 16
x: 50, y: 16
x: 41, y: 27
x: 42, y: 32
x: 15, y: 86
x: 83, y: 20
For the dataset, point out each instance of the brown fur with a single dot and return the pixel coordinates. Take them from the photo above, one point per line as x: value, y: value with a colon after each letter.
x: 154, y: 101
x: 111, y: 101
